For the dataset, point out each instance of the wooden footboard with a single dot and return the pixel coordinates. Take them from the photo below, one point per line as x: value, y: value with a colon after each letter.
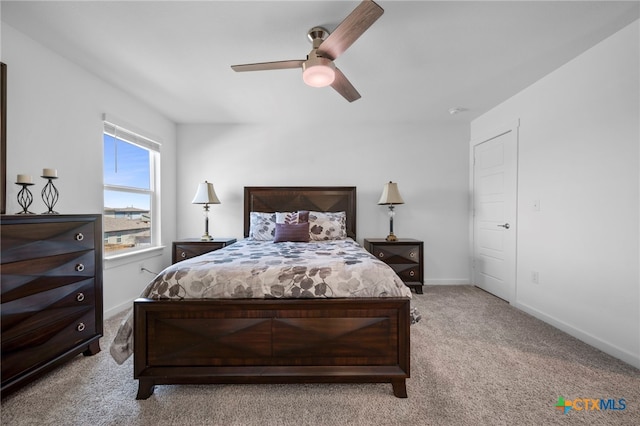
x: 271, y: 341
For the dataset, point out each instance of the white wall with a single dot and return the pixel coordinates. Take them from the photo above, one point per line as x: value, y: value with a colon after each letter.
x: 579, y: 155
x: 54, y: 120
x: 428, y: 161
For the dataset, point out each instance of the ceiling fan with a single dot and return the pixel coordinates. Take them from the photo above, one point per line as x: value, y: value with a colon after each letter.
x: 318, y: 70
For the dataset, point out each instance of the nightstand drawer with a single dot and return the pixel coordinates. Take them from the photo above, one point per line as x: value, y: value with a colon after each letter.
x: 186, y: 249
x: 397, y: 254
x: 407, y: 272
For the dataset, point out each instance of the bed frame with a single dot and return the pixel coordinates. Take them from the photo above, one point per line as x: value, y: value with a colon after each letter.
x: 275, y: 341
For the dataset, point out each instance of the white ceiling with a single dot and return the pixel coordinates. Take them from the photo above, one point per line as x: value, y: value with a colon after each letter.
x: 417, y: 61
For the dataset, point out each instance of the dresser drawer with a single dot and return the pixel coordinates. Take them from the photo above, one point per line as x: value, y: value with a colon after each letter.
x: 25, y: 241
x: 31, y: 276
x: 40, y: 327
x: 36, y: 317
x: 59, y: 335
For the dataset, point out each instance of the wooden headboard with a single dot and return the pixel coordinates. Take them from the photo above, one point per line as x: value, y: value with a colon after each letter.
x: 293, y: 198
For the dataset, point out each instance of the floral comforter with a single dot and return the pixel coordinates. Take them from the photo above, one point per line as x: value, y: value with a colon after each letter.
x: 264, y: 269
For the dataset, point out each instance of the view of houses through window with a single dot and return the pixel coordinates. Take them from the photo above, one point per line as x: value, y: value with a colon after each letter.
x: 129, y: 182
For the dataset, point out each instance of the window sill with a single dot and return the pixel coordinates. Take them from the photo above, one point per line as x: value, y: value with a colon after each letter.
x: 122, y: 259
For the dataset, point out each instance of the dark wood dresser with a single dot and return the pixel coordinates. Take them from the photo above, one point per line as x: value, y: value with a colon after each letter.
x: 51, y: 293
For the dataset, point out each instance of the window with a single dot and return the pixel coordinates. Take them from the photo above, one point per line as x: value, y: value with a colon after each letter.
x: 131, y: 216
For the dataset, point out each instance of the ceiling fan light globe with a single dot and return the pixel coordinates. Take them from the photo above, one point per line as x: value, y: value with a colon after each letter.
x: 318, y: 71
x: 318, y: 76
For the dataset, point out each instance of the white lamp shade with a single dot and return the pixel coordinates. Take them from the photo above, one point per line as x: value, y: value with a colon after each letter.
x: 390, y: 194
x: 205, y: 194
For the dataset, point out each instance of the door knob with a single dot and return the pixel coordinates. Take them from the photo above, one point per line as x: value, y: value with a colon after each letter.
x: 505, y: 226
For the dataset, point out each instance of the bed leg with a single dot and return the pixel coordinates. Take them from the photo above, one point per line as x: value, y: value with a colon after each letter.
x: 399, y: 388
x: 145, y: 389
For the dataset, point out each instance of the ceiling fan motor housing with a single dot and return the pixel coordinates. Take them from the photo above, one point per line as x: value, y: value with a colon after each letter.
x: 317, y: 35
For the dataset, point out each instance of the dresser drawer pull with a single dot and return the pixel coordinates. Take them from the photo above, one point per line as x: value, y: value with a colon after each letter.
x: 183, y: 254
x: 80, y: 297
x: 412, y: 254
x: 412, y: 273
x: 79, y: 267
x: 80, y: 327
x: 79, y: 236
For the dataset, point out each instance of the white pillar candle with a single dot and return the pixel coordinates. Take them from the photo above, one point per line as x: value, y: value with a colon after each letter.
x: 49, y: 173
x: 24, y: 179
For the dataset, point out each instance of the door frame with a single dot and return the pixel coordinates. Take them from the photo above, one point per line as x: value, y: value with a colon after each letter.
x: 497, y: 132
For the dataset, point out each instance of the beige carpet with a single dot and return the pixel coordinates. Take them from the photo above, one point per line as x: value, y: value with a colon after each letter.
x: 475, y: 361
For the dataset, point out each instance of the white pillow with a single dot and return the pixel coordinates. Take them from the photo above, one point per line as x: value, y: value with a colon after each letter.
x: 327, y: 226
x: 262, y: 226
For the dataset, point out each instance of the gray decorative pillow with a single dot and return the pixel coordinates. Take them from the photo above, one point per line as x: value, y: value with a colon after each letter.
x: 295, y: 232
x: 262, y: 226
x: 327, y: 226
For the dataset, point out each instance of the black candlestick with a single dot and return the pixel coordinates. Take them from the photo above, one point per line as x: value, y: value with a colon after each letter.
x: 25, y: 198
x: 50, y: 194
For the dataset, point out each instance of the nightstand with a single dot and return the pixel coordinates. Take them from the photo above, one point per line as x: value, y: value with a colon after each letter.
x: 404, y: 256
x: 192, y: 247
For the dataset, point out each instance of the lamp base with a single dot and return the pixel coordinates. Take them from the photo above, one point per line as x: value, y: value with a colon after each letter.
x: 391, y: 237
x: 206, y: 237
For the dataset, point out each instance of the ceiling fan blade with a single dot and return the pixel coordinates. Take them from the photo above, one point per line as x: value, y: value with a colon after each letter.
x: 265, y: 66
x: 353, y: 26
x: 344, y: 87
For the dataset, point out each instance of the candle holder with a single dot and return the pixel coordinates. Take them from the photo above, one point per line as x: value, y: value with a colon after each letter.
x: 50, y: 194
x: 25, y: 198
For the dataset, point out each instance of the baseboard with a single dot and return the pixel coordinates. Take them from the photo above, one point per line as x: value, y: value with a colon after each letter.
x: 118, y: 309
x: 447, y: 281
x: 590, y: 339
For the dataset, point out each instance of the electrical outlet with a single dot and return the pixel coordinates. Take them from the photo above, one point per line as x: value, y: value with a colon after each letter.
x: 535, y: 277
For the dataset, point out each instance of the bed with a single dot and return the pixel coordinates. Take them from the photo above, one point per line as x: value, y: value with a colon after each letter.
x: 272, y: 338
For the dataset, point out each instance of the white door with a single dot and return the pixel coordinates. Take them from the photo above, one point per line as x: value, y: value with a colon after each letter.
x: 494, y: 214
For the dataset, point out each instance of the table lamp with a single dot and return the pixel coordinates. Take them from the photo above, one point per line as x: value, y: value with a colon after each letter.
x: 390, y: 197
x: 206, y: 195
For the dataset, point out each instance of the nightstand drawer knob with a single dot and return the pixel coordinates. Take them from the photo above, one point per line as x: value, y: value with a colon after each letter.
x: 79, y: 267
x: 380, y: 255
x: 79, y: 236
x: 412, y: 254
x: 412, y: 273
x: 80, y: 327
x: 183, y: 254
x: 80, y: 297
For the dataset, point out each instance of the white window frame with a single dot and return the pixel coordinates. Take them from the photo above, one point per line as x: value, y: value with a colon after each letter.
x: 125, y: 132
